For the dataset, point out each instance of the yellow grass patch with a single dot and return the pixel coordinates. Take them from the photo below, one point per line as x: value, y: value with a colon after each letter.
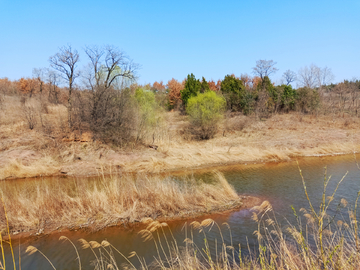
x: 110, y: 201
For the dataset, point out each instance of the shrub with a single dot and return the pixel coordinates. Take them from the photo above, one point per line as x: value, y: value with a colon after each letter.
x: 147, y: 106
x: 205, y: 110
x: 116, y: 119
x: 288, y: 97
x: 308, y: 100
x: 30, y: 115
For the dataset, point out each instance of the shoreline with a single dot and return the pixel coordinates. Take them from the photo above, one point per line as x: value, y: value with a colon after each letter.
x: 247, y: 202
x: 278, y: 139
x: 281, y: 138
x: 183, y: 170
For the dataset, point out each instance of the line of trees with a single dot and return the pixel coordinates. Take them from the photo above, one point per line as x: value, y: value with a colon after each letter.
x: 103, y: 96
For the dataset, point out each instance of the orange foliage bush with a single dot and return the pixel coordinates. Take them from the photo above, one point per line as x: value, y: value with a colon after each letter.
x: 212, y: 85
x: 174, y: 91
x: 158, y: 86
x: 255, y: 81
x: 28, y: 86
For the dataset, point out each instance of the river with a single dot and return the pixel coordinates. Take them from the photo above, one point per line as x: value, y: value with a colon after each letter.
x: 279, y: 183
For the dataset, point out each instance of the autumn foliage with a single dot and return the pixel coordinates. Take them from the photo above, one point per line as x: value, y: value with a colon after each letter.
x: 28, y: 86
x: 159, y: 86
x: 255, y: 81
x: 174, y: 92
x: 214, y: 86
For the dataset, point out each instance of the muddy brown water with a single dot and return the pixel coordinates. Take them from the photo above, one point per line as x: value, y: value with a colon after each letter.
x: 279, y: 183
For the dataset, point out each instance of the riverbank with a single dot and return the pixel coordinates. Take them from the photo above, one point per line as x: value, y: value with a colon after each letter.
x: 241, y: 139
x: 72, y: 204
x: 247, y: 202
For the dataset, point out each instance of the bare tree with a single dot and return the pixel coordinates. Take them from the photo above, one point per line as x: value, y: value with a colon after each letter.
x: 53, y: 80
x: 38, y: 73
x: 314, y: 76
x: 30, y: 115
x: 354, y: 96
x: 307, y: 76
x: 108, y: 66
x: 325, y: 76
x: 289, y: 76
x: 341, y: 91
x: 93, y: 77
x: 264, y: 68
x: 65, y: 61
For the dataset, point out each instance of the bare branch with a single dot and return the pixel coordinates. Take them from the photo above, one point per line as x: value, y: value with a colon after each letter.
x: 289, y: 76
x: 326, y: 76
x: 94, y: 53
x: 65, y: 62
x: 108, y: 64
x: 314, y: 76
x: 264, y: 68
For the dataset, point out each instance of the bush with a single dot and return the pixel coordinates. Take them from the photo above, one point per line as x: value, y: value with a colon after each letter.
x: 147, y: 107
x: 308, y: 100
x: 205, y: 110
x: 115, y: 120
x: 288, y: 97
x: 30, y: 115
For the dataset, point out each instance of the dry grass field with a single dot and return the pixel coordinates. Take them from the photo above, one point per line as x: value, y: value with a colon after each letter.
x: 50, y: 149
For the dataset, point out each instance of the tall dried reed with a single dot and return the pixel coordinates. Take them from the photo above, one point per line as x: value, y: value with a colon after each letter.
x: 105, y: 201
x: 316, y: 240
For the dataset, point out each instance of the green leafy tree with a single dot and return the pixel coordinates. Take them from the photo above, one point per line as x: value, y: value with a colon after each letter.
x: 234, y: 92
x: 191, y: 89
x: 205, y: 111
x: 288, y: 97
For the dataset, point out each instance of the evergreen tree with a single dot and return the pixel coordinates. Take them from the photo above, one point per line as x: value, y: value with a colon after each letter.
x: 191, y: 89
x: 234, y: 92
x: 204, y: 86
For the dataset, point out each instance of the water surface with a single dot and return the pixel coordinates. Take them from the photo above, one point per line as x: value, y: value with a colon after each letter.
x: 279, y: 183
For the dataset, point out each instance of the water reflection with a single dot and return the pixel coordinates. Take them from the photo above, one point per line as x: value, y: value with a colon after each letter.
x: 279, y: 183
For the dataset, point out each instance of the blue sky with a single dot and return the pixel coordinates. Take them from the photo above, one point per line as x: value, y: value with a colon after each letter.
x: 171, y: 39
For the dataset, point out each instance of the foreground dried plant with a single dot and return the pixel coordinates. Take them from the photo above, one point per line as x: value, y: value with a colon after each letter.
x: 321, y: 238
x: 278, y: 248
x: 104, y: 201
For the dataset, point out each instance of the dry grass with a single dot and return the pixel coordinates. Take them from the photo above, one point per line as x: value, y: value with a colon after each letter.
x: 292, y: 247
x: 321, y: 237
x: 282, y: 137
x: 240, y: 139
x: 316, y: 240
x: 329, y: 245
x: 41, y: 167
x: 43, y: 205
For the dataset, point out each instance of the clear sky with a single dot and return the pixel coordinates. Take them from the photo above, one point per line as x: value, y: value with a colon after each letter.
x: 171, y: 39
